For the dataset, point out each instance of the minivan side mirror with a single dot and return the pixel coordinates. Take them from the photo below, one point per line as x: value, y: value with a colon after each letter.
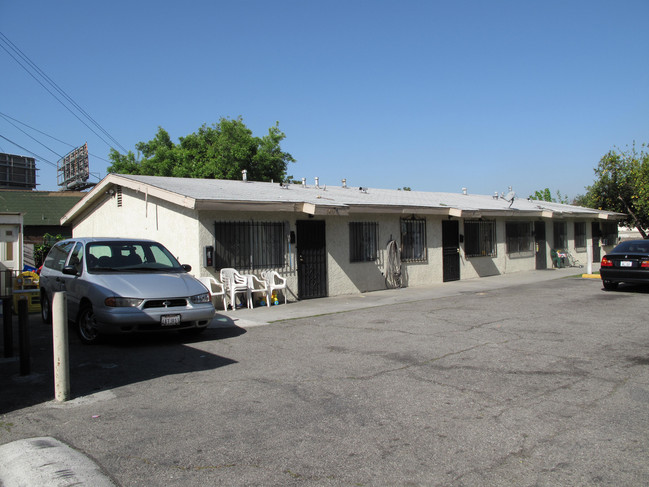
x: 69, y: 270
x: 186, y: 267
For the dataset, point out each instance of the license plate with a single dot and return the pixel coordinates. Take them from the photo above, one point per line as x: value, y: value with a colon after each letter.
x: 626, y: 263
x: 170, y: 320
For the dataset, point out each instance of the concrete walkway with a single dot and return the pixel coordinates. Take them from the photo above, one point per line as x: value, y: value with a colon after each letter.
x: 261, y: 315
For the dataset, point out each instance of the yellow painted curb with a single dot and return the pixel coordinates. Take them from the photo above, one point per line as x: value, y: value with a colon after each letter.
x: 591, y: 276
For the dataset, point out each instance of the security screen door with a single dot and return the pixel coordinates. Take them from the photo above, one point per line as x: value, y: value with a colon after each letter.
x: 450, y: 250
x: 311, y: 259
x: 539, y: 244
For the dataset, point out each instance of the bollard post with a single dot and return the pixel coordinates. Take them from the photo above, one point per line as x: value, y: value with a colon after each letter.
x: 61, y: 349
x: 8, y: 324
x: 23, y: 337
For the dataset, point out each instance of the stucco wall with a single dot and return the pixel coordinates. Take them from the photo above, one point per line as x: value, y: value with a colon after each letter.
x: 141, y: 216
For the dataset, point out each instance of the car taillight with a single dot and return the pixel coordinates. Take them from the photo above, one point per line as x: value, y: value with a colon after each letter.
x: 645, y: 264
x: 606, y: 262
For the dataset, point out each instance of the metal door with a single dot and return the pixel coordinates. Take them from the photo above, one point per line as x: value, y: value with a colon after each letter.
x: 539, y: 245
x: 450, y: 250
x: 311, y: 259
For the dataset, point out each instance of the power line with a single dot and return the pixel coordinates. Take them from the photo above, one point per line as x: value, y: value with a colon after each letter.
x: 40, y: 158
x: 69, y: 99
x: 35, y: 129
x: 5, y: 116
x: 33, y: 138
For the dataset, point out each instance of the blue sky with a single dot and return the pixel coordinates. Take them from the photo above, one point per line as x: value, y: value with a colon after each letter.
x: 432, y: 95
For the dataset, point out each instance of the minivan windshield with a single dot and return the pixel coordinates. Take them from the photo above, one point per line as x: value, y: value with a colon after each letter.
x: 129, y: 256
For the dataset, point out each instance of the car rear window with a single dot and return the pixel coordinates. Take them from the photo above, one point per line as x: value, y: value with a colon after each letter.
x: 633, y: 247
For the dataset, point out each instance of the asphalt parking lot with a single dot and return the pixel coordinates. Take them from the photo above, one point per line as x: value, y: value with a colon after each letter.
x: 526, y: 383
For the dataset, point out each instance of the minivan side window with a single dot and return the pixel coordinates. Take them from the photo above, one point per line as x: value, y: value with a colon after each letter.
x: 76, y: 259
x: 55, y: 260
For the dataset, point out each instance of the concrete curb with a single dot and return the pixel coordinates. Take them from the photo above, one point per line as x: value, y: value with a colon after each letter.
x: 47, y: 461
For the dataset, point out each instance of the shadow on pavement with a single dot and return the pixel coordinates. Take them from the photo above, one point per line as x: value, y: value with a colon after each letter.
x: 117, y: 361
x: 631, y: 288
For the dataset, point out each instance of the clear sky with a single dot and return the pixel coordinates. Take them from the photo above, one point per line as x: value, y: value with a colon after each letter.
x: 434, y: 95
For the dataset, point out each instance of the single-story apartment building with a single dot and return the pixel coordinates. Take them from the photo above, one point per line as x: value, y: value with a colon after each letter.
x: 335, y: 240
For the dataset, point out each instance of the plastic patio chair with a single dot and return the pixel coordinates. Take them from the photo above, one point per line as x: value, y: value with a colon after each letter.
x: 234, y: 283
x: 215, y: 288
x: 274, y: 282
x: 256, y: 285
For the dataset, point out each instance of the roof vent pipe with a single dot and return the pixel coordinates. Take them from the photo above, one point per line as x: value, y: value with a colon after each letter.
x: 317, y: 182
x: 245, y: 175
x: 344, y: 183
x: 304, y: 182
x: 464, y: 191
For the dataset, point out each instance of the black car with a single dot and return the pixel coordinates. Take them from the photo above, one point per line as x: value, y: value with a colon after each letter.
x: 628, y: 262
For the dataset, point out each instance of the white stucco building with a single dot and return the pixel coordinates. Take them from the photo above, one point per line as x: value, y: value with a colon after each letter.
x: 330, y: 241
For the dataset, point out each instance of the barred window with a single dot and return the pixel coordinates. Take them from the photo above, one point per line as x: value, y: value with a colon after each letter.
x: 609, y: 233
x: 413, y: 240
x: 560, y: 235
x: 520, y: 241
x: 479, y: 238
x: 249, y: 245
x: 580, y: 235
x: 363, y: 241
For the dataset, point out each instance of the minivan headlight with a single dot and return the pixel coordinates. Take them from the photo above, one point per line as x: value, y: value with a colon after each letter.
x: 201, y: 298
x: 115, y: 302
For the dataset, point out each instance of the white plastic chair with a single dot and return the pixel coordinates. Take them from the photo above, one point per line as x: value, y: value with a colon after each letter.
x: 234, y: 283
x: 274, y: 281
x: 215, y: 288
x: 256, y: 285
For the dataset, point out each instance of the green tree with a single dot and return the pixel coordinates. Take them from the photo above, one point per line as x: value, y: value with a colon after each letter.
x: 220, y: 151
x: 41, y: 250
x: 546, y: 195
x: 622, y: 185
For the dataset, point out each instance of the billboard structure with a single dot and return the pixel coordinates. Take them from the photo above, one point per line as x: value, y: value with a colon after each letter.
x: 17, y: 172
x: 73, y: 169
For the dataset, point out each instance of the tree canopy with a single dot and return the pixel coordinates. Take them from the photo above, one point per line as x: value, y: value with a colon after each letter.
x: 622, y: 185
x: 546, y: 195
x: 220, y: 151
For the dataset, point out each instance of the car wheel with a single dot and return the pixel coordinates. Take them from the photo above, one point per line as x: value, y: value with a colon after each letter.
x: 46, y: 309
x: 610, y: 286
x: 86, y: 325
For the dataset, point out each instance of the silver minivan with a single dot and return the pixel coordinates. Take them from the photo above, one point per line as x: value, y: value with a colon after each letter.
x: 123, y: 285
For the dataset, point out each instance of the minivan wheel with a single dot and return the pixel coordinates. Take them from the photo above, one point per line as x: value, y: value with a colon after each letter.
x: 46, y: 309
x: 610, y: 286
x: 86, y: 325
